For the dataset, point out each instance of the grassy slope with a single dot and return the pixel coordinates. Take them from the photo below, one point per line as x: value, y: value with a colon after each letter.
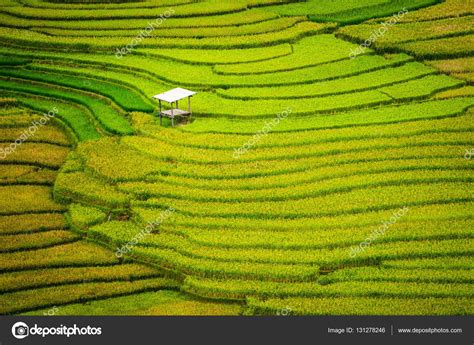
x: 44, y: 263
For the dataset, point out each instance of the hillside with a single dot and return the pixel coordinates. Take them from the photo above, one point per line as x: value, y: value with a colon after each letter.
x: 309, y: 180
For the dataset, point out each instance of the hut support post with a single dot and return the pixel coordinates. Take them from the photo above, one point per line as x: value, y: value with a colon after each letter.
x: 172, y: 116
x: 161, y: 116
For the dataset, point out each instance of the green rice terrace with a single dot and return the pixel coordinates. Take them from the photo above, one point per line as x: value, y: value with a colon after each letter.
x: 326, y: 168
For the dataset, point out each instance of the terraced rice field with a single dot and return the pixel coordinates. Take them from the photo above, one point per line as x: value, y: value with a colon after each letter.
x: 307, y: 179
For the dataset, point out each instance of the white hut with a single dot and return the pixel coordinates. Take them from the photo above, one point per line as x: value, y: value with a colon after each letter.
x: 174, y: 96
